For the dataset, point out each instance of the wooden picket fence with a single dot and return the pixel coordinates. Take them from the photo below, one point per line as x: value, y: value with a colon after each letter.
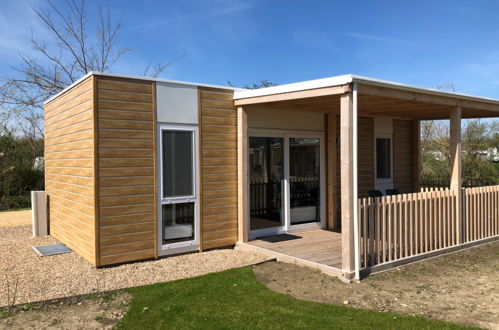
x: 430, y: 188
x: 481, y: 212
x: 405, y: 225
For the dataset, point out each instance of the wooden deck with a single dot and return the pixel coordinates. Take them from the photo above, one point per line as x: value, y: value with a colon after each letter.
x: 319, y: 249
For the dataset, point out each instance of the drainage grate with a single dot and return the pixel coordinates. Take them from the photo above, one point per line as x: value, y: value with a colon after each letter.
x: 50, y: 250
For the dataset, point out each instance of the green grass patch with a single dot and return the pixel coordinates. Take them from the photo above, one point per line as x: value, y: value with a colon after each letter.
x: 234, y: 299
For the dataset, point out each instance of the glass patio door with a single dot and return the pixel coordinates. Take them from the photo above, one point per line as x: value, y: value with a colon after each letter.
x: 266, y: 175
x: 286, y: 188
x: 304, y: 180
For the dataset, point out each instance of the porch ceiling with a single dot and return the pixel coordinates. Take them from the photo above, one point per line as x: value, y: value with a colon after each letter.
x: 376, y: 98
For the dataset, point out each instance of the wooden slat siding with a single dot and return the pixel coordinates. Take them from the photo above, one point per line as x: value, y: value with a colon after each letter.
x: 365, y: 160
x: 365, y: 157
x: 403, y: 155
x: 126, y: 169
x: 218, y: 147
x: 69, y: 168
x: 338, y: 172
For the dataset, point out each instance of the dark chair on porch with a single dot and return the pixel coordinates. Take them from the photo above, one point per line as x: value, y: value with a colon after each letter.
x: 392, y: 192
x: 375, y: 193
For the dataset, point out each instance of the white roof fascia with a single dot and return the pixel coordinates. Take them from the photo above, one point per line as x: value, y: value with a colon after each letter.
x: 346, y: 79
x: 240, y: 93
x: 411, y: 88
x: 69, y: 87
x: 97, y: 73
x: 294, y: 87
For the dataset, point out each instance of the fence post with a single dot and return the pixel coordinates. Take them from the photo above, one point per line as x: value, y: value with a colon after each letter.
x: 456, y: 168
x: 39, y: 213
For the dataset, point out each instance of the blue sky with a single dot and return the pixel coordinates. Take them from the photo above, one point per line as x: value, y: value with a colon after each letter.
x: 423, y: 43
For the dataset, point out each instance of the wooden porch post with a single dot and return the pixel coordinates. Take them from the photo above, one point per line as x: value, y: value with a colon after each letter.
x: 456, y: 168
x: 347, y: 182
x: 242, y: 175
x: 416, y: 154
x: 332, y: 221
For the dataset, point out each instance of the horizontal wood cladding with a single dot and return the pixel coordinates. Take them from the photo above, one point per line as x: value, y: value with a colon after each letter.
x: 403, y: 155
x: 69, y: 168
x: 218, y: 127
x: 126, y: 170
x: 365, y: 156
x: 365, y: 159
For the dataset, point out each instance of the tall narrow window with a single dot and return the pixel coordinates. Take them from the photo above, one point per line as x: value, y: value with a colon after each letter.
x: 178, y: 218
x: 177, y: 163
x: 383, y: 158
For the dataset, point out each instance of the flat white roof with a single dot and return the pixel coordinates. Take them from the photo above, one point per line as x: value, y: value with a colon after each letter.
x: 241, y: 93
x: 97, y: 73
x: 349, y: 78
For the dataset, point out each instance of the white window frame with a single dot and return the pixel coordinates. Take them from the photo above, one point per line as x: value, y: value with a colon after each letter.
x: 278, y: 229
x: 187, y: 246
x: 322, y: 183
x: 287, y: 227
x: 383, y: 180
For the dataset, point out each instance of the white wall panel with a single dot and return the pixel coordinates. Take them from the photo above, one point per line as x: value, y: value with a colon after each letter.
x: 177, y: 103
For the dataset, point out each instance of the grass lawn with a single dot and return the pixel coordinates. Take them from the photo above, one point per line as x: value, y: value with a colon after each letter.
x: 234, y: 299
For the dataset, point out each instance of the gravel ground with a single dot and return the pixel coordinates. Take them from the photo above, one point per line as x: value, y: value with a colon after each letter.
x: 41, y: 278
x: 15, y: 218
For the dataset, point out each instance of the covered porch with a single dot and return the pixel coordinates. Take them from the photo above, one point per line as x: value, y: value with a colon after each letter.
x: 368, y: 142
x: 319, y: 249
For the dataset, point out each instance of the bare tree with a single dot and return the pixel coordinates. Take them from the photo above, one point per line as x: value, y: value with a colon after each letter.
x: 69, y: 53
x: 261, y: 84
x: 75, y: 46
x: 480, y: 140
x: 154, y: 70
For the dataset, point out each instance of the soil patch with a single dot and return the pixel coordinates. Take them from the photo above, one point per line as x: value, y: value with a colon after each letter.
x: 462, y: 287
x: 96, y: 311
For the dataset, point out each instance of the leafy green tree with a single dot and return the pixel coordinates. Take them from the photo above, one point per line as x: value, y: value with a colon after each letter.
x: 18, y: 175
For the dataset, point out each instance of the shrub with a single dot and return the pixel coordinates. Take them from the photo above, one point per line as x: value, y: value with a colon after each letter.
x: 15, y: 202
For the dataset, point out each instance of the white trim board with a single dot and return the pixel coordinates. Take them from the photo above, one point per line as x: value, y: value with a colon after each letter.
x: 241, y: 93
x: 351, y: 78
x: 299, y: 86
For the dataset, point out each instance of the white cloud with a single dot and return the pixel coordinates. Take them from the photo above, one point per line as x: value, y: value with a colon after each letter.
x: 324, y: 40
x: 371, y: 37
x: 221, y: 21
x: 210, y: 9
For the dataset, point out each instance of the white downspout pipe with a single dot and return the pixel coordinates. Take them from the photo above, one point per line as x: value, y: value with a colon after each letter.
x: 356, y: 240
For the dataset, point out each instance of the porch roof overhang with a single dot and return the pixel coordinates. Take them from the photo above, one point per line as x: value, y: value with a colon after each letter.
x: 375, y: 98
